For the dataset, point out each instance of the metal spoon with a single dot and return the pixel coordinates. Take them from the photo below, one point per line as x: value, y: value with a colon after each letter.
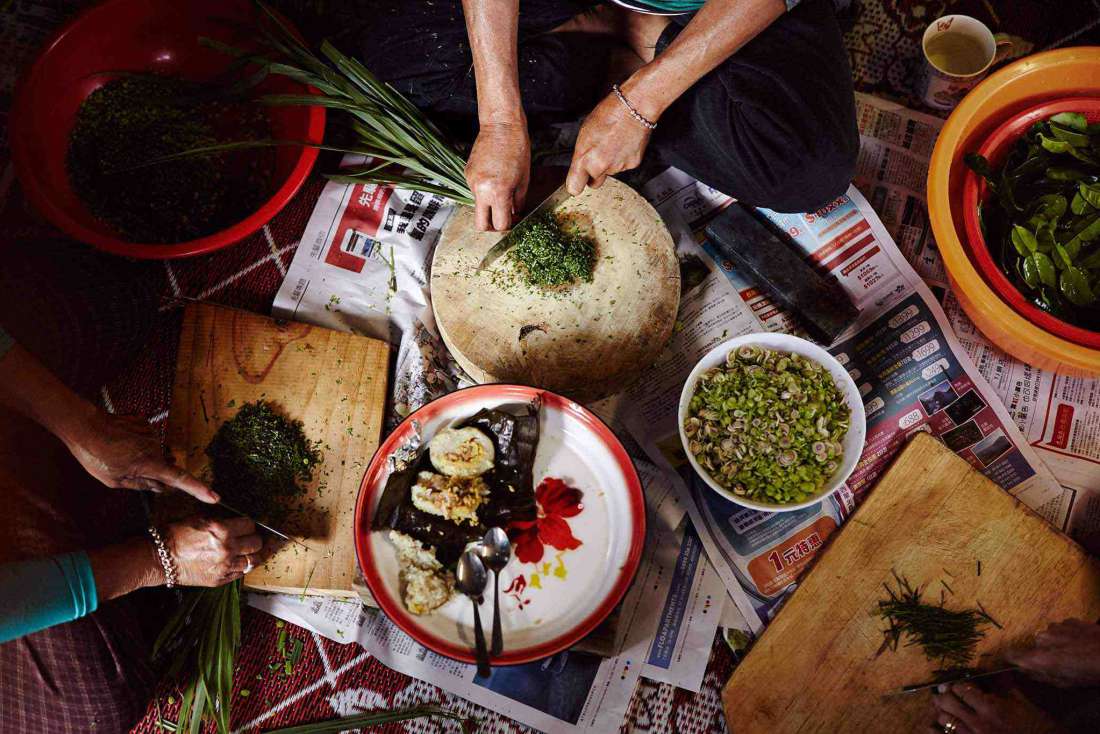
x: 495, y: 552
x: 470, y: 577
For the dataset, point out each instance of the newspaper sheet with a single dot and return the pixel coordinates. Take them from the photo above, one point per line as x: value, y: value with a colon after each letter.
x: 912, y: 371
x: 666, y: 628
x: 1057, y: 414
x: 363, y: 267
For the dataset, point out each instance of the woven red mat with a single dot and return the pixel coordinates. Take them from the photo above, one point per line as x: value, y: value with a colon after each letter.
x: 332, y: 679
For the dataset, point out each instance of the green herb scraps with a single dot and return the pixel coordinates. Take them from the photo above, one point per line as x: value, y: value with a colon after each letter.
x: 550, y: 255
x: 946, y: 636
x: 260, y: 458
x: 136, y: 118
x: 1042, y: 224
x: 768, y: 425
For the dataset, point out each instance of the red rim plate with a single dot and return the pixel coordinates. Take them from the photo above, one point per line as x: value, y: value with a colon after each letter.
x: 377, y: 471
x: 975, y: 190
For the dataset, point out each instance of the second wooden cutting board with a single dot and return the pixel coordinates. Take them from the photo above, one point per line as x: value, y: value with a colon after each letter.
x: 335, y: 383
x: 931, y: 518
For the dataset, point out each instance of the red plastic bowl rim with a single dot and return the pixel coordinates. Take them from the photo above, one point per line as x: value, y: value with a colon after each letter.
x: 975, y: 190
x: 151, y: 251
x: 504, y: 393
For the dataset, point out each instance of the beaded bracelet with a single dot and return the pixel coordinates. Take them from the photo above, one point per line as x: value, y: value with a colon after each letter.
x: 630, y: 108
x: 169, y: 565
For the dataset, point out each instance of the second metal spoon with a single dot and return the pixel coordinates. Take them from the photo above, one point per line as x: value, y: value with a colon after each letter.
x: 470, y: 578
x: 495, y: 551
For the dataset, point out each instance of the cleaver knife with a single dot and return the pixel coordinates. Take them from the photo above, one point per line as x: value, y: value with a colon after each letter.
x: 506, y: 242
x: 778, y: 267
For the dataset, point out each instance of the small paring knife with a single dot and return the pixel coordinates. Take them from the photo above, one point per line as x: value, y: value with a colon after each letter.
x: 506, y: 242
x: 915, y: 687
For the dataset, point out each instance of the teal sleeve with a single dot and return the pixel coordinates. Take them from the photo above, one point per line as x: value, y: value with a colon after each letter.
x: 5, y: 342
x: 41, y: 592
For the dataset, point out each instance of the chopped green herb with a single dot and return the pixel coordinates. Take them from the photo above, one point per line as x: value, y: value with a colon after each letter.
x: 946, y: 636
x: 549, y: 255
x: 260, y: 457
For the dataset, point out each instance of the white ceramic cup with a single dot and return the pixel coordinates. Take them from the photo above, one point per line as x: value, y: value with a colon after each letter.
x: 949, y: 74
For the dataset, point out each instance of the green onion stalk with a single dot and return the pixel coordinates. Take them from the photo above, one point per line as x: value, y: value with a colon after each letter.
x: 404, y: 148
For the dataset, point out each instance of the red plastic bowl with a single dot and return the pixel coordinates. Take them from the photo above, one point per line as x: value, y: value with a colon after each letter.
x: 976, y: 191
x: 142, y: 35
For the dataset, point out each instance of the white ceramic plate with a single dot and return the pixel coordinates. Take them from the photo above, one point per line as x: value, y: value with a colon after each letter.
x: 552, y: 603
x: 853, y: 440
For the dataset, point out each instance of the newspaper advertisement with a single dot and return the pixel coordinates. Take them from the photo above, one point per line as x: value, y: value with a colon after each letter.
x: 912, y: 372
x: 1057, y: 414
x: 666, y: 626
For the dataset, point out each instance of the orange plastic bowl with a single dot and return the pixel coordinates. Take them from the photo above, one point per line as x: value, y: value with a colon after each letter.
x: 142, y: 35
x: 976, y: 193
x: 1068, y: 72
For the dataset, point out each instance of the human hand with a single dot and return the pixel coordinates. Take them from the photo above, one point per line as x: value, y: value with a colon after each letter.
x: 1065, y: 654
x: 123, y: 453
x: 498, y: 172
x: 212, y: 552
x: 966, y: 709
x: 610, y: 141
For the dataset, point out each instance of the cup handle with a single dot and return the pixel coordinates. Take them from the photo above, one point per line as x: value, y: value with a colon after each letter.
x: 1004, y: 47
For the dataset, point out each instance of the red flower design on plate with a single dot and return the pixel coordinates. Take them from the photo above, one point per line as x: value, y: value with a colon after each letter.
x: 556, y: 501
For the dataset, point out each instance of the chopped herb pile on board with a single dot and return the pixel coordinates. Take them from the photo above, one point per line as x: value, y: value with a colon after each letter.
x: 132, y: 120
x: 260, y: 458
x: 1042, y: 223
x: 550, y: 255
x: 947, y: 636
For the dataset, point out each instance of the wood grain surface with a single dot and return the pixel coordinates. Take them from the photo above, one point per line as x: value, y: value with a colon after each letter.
x: 587, y: 340
x: 931, y: 518
x: 335, y: 383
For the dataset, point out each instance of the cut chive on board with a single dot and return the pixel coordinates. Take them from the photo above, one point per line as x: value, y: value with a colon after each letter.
x: 932, y: 517
x: 335, y: 383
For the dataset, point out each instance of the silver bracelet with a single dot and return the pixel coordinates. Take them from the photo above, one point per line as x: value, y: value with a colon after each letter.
x: 169, y: 565
x: 630, y: 108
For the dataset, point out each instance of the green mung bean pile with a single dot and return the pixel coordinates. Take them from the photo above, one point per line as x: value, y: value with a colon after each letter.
x: 768, y: 425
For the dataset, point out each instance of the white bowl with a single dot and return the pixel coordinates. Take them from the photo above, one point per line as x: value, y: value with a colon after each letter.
x: 853, y: 440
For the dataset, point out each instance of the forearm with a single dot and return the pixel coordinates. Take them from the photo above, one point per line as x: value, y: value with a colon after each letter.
x: 125, y: 567
x: 716, y: 32
x: 27, y: 387
x: 493, y: 28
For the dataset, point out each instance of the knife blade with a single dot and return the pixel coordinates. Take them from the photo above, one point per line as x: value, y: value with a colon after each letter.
x: 505, y: 243
x: 914, y: 687
x: 268, y: 528
x: 777, y: 266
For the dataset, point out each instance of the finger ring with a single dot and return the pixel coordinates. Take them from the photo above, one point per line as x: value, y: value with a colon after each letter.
x: 950, y: 727
x: 249, y: 566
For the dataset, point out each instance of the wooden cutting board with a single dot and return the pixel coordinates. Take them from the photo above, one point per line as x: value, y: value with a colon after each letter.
x: 586, y: 341
x: 335, y: 383
x: 932, y: 517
